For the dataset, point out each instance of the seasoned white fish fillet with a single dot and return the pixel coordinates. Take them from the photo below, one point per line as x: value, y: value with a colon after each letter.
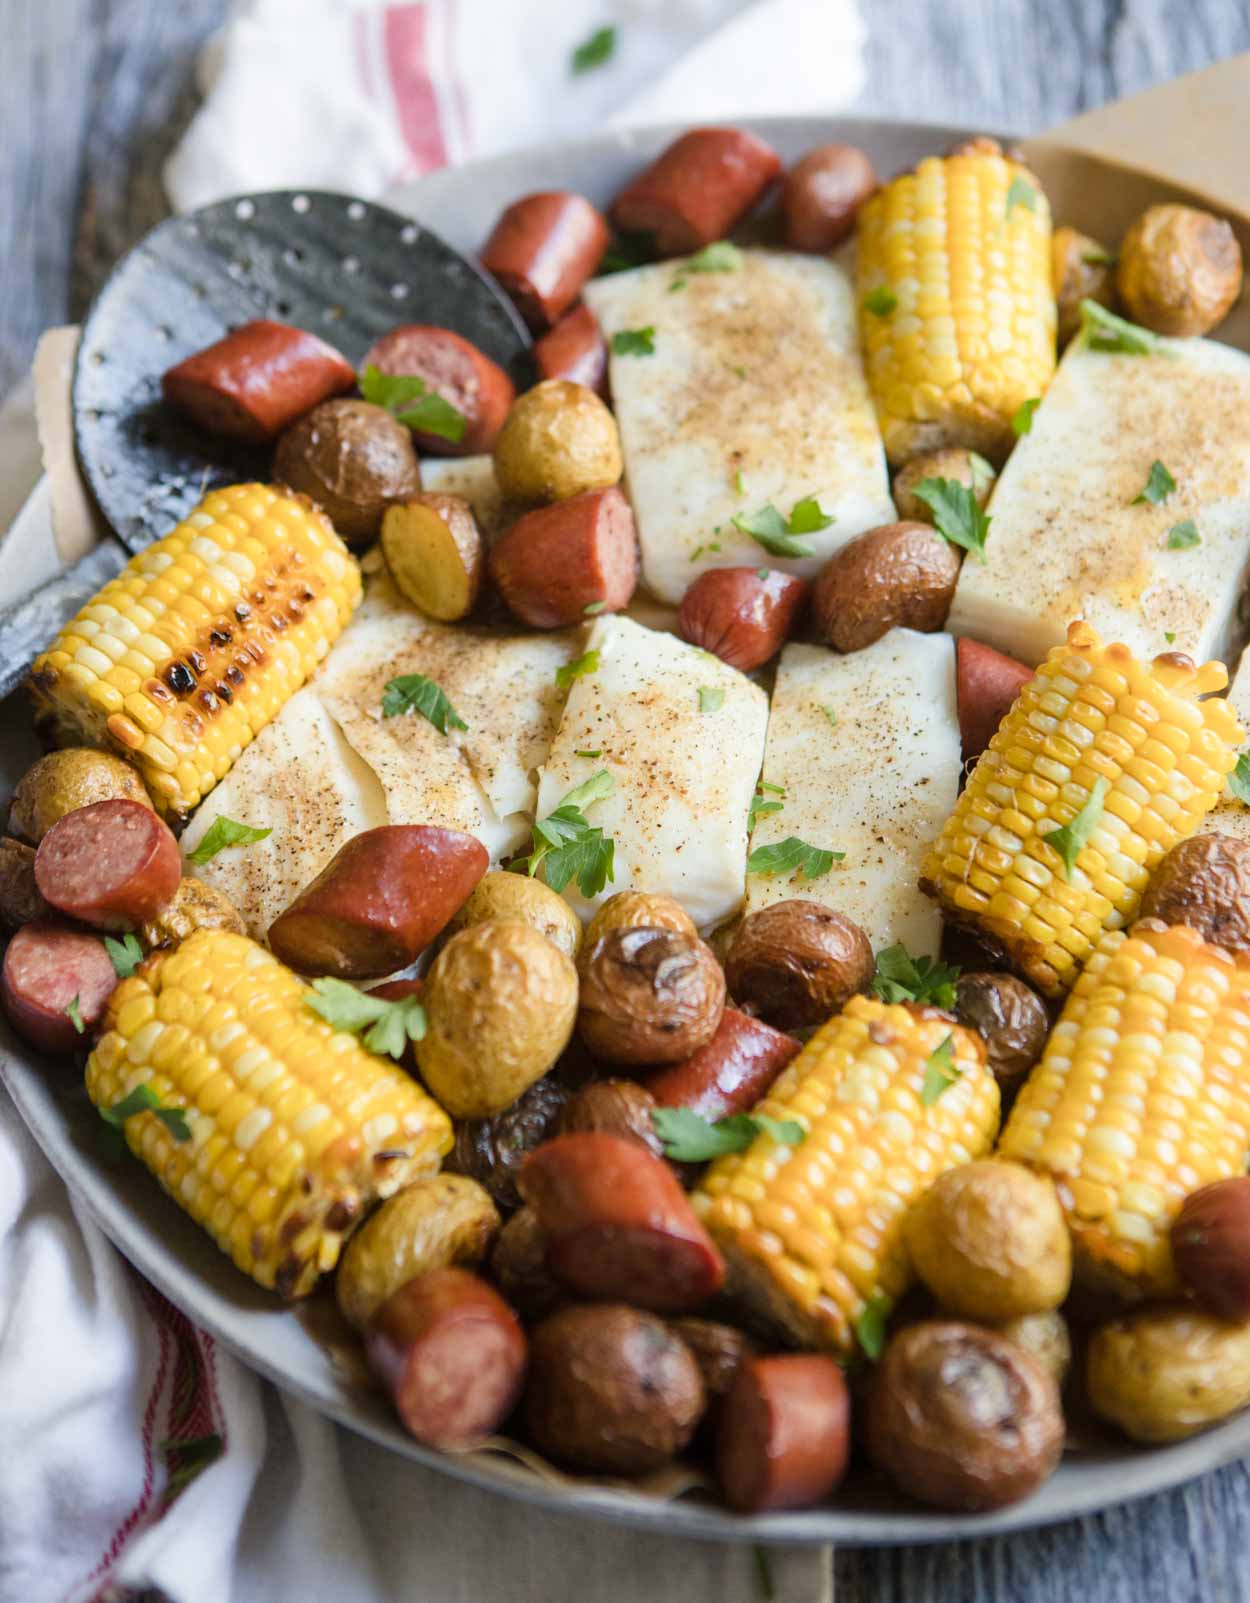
x: 866, y: 749
x: 755, y: 373
x: 472, y: 477
x: 1068, y: 539
x: 684, y: 777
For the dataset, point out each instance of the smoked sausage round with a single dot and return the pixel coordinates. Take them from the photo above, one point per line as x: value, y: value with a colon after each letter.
x: 575, y: 350
x: 987, y: 682
x: 52, y: 976
x: 741, y: 615
x: 256, y: 380
x: 784, y: 1436
x: 542, y: 250
x: 697, y: 189
x: 731, y: 1073
x: 465, y: 377
x: 113, y: 864
x: 558, y: 560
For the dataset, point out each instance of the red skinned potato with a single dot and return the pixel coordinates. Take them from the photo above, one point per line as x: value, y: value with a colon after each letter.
x: 542, y: 250
x: 112, y: 865
x: 741, y: 615
x: 822, y: 194
x: 379, y: 901
x: 728, y: 1075
x: 558, y: 560
x: 1211, y: 1247
x: 785, y: 1433
x: 452, y: 1355
x: 697, y: 189
x: 616, y: 1219
x: 256, y: 380
x: 575, y: 350
x: 49, y: 968
x: 986, y: 684
x: 478, y: 388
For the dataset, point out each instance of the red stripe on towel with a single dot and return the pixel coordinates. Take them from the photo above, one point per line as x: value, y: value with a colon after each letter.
x: 416, y: 104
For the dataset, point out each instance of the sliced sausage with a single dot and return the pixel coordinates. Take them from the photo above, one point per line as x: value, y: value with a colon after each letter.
x: 696, y: 190
x: 20, y: 901
x: 379, y: 901
x: 478, y: 388
x: 784, y: 1434
x: 741, y: 615
x: 49, y: 969
x: 543, y: 250
x: 731, y: 1073
x: 986, y: 685
x: 558, y: 560
x: 256, y: 380
x: 113, y: 864
x: 452, y: 1355
x: 619, y: 1224
x: 822, y: 194
x: 575, y: 350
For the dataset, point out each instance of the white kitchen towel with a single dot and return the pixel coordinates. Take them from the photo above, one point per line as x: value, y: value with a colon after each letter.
x: 133, y: 1452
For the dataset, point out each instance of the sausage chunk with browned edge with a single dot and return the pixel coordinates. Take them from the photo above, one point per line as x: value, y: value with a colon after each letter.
x: 113, y: 865
x: 256, y: 380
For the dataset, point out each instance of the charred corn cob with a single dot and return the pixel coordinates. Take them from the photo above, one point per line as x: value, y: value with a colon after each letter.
x: 957, y: 311
x: 813, y: 1233
x: 294, y: 1128
x: 1140, y: 1097
x: 178, y: 662
x: 1092, y: 713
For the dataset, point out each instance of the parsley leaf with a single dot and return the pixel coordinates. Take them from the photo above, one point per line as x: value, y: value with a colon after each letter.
x: 1021, y: 193
x: 870, y: 1327
x: 791, y: 855
x: 567, y: 846
x: 957, y: 516
x: 1239, y: 779
x: 413, y: 692
x: 831, y: 716
x: 1104, y: 331
x: 74, y: 1014
x: 594, y: 51
x: 1182, y: 536
x: 721, y: 256
x: 590, y: 754
x: 739, y: 484
x: 688, y: 1138
x: 776, y: 534
x: 588, y: 662
x: 760, y: 808
x: 900, y: 977
x: 413, y: 403
x: 634, y: 342
x: 1022, y: 417
x: 1159, y: 485
x: 940, y: 1071
x: 806, y: 516
x: 126, y: 954
x: 1170, y: 636
x: 881, y: 301
x: 711, y: 698
x: 220, y: 834
x: 384, y: 1027
x: 144, y: 1100
x: 1070, y: 839
x: 592, y: 609
x: 625, y: 252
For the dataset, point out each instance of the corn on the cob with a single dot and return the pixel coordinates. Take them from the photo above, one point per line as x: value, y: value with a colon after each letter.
x: 1092, y: 712
x: 1140, y: 1097
x: 178, y: 662
x: 295, y: 1128
x: 957, y: 311
x: 812, y: 1233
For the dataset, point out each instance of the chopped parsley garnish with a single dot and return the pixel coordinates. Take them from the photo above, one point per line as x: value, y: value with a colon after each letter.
x: 900, y: 977
x: 1170, y: 636
x: 1070, y: 839
x: 1104, y: 331
x: 831, y: 716
x: 881, y: 301
x: 1158, y: 486
x: 870, y: 1327
x: 74, y: 1014
x: 739, y: 486
x: 383, y: 1026
x: 567, y: 846
x: 625, y: 252
x: 144, y: 1100
x: 721, y: 256
x: 957, y: 515
x: 413, y: 403
x: 1021, y: 193
x: 711, y: 698
x: 940, y: 1071
x: 688, y: 1138
x: 634, y: 342
x: 776, y: 534
x: 588, y: 662
x: 1239, y: 779
x: 592, y: 609
x: 1183, y: 535
x: 1096, y: 256
x: 126, y: 954
x: 590, y: 754
x: 793, y: 855
x: 761, y: 807
x: 224, y: 832
x: 593, y: 52
x: 413, y: 692
x: 1022, y: 417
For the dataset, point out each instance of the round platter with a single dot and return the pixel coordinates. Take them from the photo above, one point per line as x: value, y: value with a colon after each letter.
x: 177, y: 1257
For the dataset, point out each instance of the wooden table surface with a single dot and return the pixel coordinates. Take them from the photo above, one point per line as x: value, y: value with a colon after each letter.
x: 95, y: 93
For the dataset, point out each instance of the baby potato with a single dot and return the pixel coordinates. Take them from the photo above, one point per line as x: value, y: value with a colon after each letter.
x: 196, y: 906
x: 1080, y: 269
x: 1162, y: 1374
x: 64, y: 781
x: 1179, y: 270
x: 435, y: 553
x: 633, y: 910
x: 1045, y: 1337
x: 558, y: 441
x: 446, y: 1219
x: 897, y: 575
x: 501, y: 894
x: 500, y: 1003
x: 990, y: 1241
x: 353, y: 459
x: 952, y: 462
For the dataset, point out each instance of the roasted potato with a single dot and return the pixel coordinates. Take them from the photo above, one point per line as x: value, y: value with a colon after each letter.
x: 1205, y: 882
x: 435, y: 553
x: 558, y: 441
x: 1080, y: 269
x: 446, y: 1219
x: 719, y: 1350
x: 1162, y: 1374
x: 962, y: 1418
x: 64, y: 781
x: 990, y: 1241
x: 1211, y: 1247
x: 520, y: 1268
x: 648, y: 996
x: 354, y: 460
x: 1179, y: 270
x: 952, y: 462
x: 901, y: 575
x: 796, y: 962
x: 196, y: 906
x: 491, y: 1151
x: 20, y: 899
x: 621, y: 1107
x: 611, y: 1389
x: 1009, y: 1016
x: 523, y: 900
x: 632, y: 910
x: 500, y: 1004
x: 1045, y: 1337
